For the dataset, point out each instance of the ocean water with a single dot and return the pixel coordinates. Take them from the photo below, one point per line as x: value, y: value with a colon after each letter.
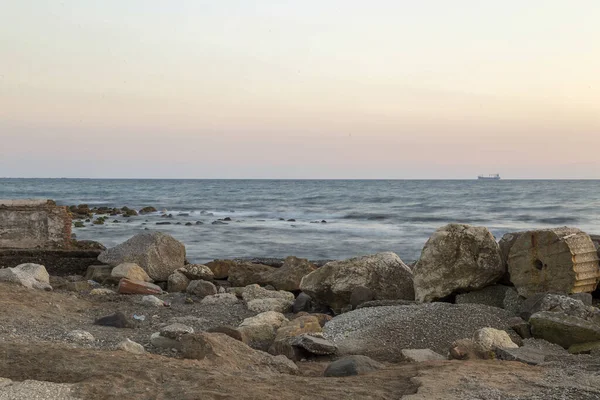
x: 363, y: 216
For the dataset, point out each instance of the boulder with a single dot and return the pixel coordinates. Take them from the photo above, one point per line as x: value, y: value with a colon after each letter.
x: 269, y: 304
x: 177, y: 282
x: 352, y: 365
x: 560, y: 260
x: 32, y: 276
x: 490, y: 339
x: 127, y: 286
x: 259, y: 331
x: 289, y: 275
x: 220, y: 268
x: 384, y: 274
x: 130, y: 271
x: 421, y: 355
x: 457, y: 258
x: 157, y: 253
x: 562, y: 329
x: 245, y: 273
x: 201, y: 288
x: 221, y: 350
x: 383, y: 332
x: 197, y: 272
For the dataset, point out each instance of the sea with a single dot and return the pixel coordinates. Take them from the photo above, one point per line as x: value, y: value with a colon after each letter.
x: 317, y: 219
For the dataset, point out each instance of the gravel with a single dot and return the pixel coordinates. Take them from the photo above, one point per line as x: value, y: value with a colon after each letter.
x: 34, y: 390
x: 382, y: 332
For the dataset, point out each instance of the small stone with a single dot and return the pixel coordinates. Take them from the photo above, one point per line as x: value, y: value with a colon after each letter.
x: 177, y: 282
x: 225, y: 299
x: 421, y: 355
x: 175, y: 331
x: 102, y: 292
x: 80, y: 336
x: 201, y: 288
x: 117, y: 320
x: 130, y: 271
x: 127, y: 286
x: 157, y: 340
x: 152, y: 301
x: 98, y: 273
x: 131, y: 347
x: 315, y: 345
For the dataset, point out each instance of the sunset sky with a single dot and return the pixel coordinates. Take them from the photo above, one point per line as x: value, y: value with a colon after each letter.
x: 300, y: 89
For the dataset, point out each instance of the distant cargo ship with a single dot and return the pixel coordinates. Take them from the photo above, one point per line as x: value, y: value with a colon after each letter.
x: 494, y: 177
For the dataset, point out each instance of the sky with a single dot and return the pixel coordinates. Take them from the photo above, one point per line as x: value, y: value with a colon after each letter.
x: 430, y: 89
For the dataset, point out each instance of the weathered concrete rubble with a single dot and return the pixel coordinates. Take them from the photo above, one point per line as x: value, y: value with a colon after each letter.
x: 28, y: 224
x: 559, y: 260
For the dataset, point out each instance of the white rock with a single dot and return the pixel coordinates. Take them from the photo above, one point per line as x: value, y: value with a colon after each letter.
x: 32, y: 276
x: 80, y: 336
x: 131, y: 347
x: 491, y: 339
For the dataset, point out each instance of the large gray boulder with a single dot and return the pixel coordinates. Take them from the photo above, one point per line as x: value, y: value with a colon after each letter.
x: 559, y: 260
x: 457, y: 258
x: 384, y: 274
x: 383, y: 332
x: 157, y: 253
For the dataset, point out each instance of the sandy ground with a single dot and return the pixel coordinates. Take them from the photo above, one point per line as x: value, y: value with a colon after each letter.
x: 34, y: 346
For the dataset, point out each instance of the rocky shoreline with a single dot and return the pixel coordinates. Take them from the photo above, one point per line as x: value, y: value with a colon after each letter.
x: 473, y: 318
